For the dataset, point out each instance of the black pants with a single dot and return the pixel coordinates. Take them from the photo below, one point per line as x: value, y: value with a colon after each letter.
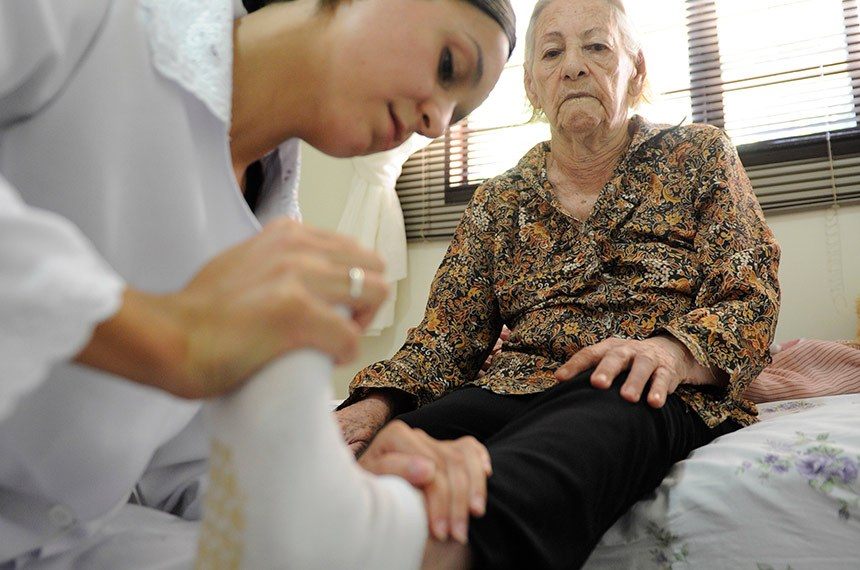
x: 566, y: 464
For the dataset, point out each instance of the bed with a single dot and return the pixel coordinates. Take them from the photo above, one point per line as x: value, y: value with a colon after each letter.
x: 781, y: 494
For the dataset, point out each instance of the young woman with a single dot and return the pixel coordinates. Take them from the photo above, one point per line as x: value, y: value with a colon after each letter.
x: 128, y: 251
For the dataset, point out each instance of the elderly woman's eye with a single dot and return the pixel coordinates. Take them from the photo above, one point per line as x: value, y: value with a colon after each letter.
x: 551, y: 53
x: 598, y: 47
x: 446, y: 66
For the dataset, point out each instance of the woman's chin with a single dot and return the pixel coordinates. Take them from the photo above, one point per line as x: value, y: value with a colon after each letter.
x: 344, y: 148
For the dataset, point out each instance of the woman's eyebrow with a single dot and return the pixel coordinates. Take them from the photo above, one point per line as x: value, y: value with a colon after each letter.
x: 479, y: 64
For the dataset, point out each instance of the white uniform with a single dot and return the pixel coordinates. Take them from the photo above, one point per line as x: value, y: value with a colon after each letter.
x: 114, y: 115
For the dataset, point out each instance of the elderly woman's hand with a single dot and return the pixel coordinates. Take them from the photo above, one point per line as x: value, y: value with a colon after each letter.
x: 451, y: 474
x: 360, y: 421
x: 497, y: 348
x: 660, y: 363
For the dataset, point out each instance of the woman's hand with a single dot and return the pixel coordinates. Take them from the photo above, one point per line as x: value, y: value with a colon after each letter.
x: 276, y: 292
x: 451, y: 474
x: 661, y: 361
x: 497, y: 348
x: 361, y: 421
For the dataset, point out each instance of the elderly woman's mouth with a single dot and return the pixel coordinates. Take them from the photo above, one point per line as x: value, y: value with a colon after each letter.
x: 578, y: 95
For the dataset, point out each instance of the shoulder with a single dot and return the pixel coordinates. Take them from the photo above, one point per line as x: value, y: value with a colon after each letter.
x: 704, y: 134
x: 525, y: 175
x: 56, y: 40
x: 700, y: 137
x: 497, y: 203
x: 678, y: 144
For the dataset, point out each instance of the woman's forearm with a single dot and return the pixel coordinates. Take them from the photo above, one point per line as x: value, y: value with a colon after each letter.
x: 142, y: 342
x: 278, y: 291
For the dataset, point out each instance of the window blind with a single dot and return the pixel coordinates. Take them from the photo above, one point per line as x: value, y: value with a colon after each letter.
x: 782, y: 77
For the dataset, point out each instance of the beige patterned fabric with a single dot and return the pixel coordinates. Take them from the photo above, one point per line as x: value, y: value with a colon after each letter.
x: 221, y: 535
x: 676, y: 242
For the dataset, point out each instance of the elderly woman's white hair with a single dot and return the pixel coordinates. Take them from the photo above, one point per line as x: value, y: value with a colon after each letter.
x: 630, y: 39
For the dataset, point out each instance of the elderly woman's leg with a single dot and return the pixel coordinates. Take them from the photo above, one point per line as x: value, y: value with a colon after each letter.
x: 286, y: 493
x: 565, y: 467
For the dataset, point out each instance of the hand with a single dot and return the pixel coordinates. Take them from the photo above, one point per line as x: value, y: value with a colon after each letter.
x: 500, y: 342
x: 362, y: 420
x: 276, y: 292
x: 452, y: 474
x: 661, y: 360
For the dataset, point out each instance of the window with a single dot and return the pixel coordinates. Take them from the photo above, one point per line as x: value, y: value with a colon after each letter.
x: 782, y: 77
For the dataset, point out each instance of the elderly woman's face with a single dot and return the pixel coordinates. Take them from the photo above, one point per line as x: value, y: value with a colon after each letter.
x: 580, y: 75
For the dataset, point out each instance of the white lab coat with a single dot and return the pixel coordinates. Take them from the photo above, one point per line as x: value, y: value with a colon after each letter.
x: 115, y: 119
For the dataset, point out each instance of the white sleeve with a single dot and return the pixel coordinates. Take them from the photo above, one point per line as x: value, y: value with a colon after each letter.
x: 54, y: 289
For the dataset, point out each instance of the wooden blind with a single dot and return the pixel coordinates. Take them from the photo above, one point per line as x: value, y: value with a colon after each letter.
x: 782, y: 77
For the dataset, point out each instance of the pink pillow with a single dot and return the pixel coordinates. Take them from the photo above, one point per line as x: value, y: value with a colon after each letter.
x: 806, y: 368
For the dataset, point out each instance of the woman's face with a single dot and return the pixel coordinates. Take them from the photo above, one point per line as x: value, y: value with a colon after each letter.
x: 405, y: 66
x: 581, y: 76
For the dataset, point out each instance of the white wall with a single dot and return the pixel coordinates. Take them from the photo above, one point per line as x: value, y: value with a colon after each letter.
x: 816, y: 264
x: 323, y: 191
x: 819, y: 273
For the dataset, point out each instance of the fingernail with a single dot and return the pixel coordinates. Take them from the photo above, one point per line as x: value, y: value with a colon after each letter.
x: 477, y: 505
x: 460, y: 533
x: 440, y: 529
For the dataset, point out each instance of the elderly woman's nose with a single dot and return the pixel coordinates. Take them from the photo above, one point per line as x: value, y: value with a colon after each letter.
x: 574, y: 65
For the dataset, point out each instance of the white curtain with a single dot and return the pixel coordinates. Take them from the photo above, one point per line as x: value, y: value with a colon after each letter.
x: 373, y: 216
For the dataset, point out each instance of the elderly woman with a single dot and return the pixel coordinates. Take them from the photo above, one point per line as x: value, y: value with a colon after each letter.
x: 638, y: 278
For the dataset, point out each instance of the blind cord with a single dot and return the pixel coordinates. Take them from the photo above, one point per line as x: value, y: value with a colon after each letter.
x: 832, y: 231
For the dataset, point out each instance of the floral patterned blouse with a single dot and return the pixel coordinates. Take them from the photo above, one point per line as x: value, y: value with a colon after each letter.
x: 676, y: 242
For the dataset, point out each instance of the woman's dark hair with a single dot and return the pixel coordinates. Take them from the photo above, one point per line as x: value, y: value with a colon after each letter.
x: 500, y: 11
x: 254, y: 5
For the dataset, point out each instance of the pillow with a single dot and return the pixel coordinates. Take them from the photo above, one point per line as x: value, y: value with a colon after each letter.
x: 807, y: 368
